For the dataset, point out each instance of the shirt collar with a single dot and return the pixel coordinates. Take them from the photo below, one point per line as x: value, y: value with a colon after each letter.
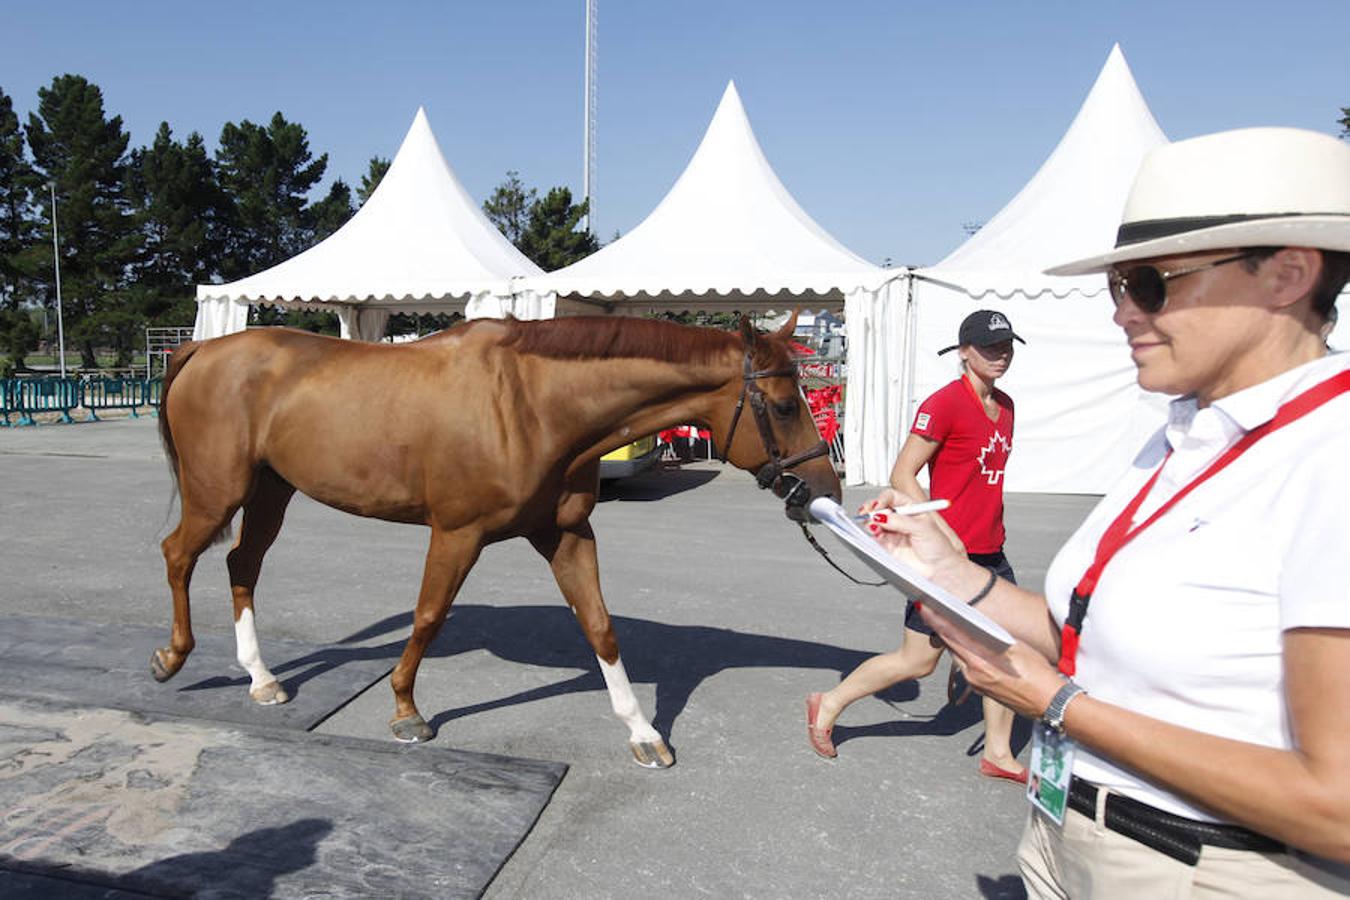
x: 1248, y: 408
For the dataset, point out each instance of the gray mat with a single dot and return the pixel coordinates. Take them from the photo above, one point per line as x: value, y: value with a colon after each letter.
x: 168, y: 806
x: 109, y: 665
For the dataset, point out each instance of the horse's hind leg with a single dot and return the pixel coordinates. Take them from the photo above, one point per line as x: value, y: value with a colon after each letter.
x: 449, y: 558
x: 263, y: 514
x: 571, y: 556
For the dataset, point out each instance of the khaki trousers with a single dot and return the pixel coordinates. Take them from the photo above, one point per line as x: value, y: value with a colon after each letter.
x: 1084, y: 860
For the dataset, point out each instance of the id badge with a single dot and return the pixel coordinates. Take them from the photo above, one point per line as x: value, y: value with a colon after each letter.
x: 1050, y: 770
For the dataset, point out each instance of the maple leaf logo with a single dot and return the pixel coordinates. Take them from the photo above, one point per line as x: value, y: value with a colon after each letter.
x: 994, y: 457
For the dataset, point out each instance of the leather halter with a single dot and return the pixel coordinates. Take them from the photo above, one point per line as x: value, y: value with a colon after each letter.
x: 789, y: 487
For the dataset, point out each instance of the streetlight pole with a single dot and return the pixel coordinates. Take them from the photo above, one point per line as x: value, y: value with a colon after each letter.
x: 56, y: 258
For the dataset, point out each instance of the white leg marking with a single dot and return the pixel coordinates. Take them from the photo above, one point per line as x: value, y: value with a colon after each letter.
x: 625, y: 703
x: 246, y: 641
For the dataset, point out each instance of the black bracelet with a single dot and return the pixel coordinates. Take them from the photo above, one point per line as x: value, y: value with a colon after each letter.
x: 984, y: 591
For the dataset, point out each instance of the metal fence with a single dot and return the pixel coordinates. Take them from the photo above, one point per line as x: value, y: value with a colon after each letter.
x: 27, y: 397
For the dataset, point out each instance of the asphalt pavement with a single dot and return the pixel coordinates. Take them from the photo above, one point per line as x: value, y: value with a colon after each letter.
x: 726, y: 619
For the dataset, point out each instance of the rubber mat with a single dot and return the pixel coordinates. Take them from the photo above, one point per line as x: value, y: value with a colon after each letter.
x: 169, y: 806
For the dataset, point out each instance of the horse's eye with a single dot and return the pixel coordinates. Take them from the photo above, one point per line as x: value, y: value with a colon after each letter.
x: 786, y: 409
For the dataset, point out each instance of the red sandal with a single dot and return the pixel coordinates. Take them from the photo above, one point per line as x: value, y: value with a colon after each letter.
x: 819, y: 737
x: 989, y: 770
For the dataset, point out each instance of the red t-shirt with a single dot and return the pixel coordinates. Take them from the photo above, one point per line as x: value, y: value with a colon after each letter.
x: 967, y: 467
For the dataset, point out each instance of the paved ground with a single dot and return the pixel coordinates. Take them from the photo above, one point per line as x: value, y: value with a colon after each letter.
x: 726, y: 619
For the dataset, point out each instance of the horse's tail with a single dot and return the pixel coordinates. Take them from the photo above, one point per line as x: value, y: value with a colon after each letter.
x: 179, y: 359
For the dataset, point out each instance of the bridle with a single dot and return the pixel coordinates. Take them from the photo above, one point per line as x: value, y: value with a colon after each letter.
x: 774, y: 474
x: 787, y: 486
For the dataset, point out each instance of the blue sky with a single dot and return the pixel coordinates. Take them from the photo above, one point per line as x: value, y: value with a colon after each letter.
x: 892, y: 123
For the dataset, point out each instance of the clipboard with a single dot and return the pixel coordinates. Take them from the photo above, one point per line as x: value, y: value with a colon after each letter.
x: 973, y: 623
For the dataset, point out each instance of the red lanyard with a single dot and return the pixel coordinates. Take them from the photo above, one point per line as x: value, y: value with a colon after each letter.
x: 1119, y: 533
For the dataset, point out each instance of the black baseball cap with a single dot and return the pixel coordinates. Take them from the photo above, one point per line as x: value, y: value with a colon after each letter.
x: 982, y: 328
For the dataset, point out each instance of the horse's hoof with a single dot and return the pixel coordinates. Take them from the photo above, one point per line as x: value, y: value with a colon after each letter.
x: 269, y: 694
x: 412, y: 730
x: 652, y: 754
x: 160, y: 668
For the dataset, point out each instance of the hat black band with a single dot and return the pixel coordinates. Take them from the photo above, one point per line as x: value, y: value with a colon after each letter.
x: 1152, y: 229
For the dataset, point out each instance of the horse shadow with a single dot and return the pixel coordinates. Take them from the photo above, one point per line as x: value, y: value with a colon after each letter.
x: 655, y: 484
x: 675, y: 659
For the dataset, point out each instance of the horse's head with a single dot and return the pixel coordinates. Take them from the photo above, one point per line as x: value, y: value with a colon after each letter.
x: 780, y: 442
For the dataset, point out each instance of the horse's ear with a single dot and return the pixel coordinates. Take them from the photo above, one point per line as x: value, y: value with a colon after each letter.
x: 789, y: 327
x: 748, y: 333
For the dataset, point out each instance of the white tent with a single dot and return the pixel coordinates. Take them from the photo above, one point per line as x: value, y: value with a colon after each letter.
x: 727, y: 236
x: 1080, y: 414
x: 419, y: 244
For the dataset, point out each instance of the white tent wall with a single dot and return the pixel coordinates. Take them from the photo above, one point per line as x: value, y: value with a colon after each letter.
x: 878, y: 324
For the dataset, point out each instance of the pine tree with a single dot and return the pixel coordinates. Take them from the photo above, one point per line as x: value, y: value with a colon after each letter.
x: 509, y: 207
x: 379, y: 166
x: 178, y: 207
x: 19, y: 230
x: 551, y: 237
x: 84, y: 155
x: 267, y: 173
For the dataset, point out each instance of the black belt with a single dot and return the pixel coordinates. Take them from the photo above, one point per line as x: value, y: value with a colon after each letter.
x: 1177, y: 836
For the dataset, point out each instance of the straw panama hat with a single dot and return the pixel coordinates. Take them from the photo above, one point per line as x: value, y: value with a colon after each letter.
x: 1254, y: 187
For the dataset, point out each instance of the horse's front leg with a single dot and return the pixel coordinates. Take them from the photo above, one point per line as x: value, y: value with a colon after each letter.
x: 449, y: 558
x: 571, y: 556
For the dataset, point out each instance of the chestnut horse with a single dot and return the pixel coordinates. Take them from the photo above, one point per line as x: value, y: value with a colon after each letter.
x: 491, y: 430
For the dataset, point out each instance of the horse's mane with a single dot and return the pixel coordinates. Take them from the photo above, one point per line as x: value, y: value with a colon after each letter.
x: 609, y: 337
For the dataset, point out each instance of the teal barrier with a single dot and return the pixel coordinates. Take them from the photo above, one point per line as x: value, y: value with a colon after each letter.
x: 115, y: 393
x: 9, y: 401
x: 39, y: 395
x: 26, y: 396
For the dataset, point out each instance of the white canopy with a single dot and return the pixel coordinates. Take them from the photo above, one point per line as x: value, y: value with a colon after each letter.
x: 1080, y: 414
x: 419, y: 244
x: 728, y: 235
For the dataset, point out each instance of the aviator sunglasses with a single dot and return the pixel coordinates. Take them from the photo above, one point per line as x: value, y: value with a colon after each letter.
x: 1147, y: 285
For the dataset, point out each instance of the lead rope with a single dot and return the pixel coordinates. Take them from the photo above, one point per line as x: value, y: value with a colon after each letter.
x: 806, y: 533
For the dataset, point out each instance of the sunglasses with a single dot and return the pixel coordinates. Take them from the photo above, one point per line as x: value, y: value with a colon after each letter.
x: 1147, y: 285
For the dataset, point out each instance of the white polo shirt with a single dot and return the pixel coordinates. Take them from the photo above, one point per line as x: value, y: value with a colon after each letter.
x: 1186, y: 622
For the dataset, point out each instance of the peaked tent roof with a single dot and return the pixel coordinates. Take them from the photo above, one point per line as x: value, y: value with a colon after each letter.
x: 1071, y: 207
x: 418, y: 241
x: 728, y: 227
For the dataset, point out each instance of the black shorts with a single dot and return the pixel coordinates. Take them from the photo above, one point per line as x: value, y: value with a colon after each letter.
x: 995, y: 562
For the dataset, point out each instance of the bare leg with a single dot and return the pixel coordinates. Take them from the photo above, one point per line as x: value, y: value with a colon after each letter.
x: 571, y: 556
x: 998, y: 723
x: 449, y: 558
x: 915, y: 658
x: 263, y: 514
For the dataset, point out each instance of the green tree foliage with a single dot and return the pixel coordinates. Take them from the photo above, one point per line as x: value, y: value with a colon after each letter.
x: 544, y: 230
x: 85, y: 155
x: 19, y: 234
x: 379, y: 166
x: 333, y: 211
x: 178, y: 207
x: 1344, y: 121
x: 551, y: 237
x: 267, y: 172
x: 509, y: 207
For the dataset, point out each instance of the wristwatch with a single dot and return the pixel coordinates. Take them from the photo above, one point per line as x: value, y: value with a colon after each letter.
x: 1054, y: 713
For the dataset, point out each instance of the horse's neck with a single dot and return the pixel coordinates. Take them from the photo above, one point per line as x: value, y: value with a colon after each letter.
x: 633, y: 397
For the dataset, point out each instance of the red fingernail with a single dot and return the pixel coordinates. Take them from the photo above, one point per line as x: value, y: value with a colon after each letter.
x: 874, y: 528
x: 880, y: 517
x: 918, y: 604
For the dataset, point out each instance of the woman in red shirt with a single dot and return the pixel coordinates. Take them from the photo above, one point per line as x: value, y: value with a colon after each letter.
x: 963, y: 434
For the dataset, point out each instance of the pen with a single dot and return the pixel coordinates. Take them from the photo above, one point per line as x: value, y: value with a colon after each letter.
x: 912, y: 509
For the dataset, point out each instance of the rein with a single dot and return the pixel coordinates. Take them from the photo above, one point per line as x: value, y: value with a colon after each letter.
x: 774, y: 474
